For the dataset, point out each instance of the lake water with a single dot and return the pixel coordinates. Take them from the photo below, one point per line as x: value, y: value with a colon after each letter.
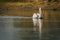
x: 26, y: 28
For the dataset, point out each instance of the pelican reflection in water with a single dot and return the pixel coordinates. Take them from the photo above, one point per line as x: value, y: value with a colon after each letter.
x: 37, y: 24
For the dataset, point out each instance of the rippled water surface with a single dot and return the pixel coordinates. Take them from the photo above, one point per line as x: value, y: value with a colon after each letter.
x: 17, y: 29
x: 28, y: 29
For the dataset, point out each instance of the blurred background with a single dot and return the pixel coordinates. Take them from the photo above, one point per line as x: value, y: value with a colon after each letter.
x: 26, y: 7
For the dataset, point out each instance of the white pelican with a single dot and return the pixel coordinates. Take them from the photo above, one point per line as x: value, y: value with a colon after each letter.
x: 38, y: 22
x: 37, y: 16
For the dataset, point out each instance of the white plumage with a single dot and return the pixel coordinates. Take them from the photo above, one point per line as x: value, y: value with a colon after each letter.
x: 36, y: 16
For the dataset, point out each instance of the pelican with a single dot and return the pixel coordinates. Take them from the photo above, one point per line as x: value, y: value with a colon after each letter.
x: 38, y: 22
x: 37, y: 15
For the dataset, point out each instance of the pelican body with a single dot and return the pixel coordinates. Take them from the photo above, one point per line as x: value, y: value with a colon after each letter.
x: 37, y: 16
